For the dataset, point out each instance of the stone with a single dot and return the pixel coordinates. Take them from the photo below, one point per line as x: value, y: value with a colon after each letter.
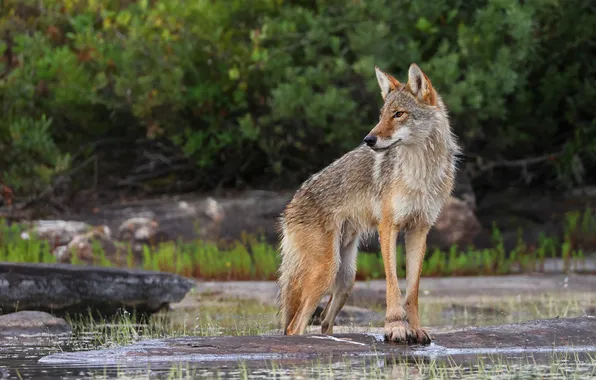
x: 140, y: 232
x: 138, y: 229
x: 567, y: 335
x: 63, y: 288
x: 215, y: 219
x: 457, y: 224
x: 57, y: 232
x: 28, y: 323
x: 82, y: 247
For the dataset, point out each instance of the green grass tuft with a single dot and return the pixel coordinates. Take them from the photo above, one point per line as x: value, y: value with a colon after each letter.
x: 254, y: 259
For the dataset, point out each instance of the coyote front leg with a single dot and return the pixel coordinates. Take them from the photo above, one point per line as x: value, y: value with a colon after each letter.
x: 396, y: 328
x: 415, y: 250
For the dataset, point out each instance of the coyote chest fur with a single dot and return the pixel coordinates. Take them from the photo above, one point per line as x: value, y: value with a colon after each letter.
x: 399, y: 178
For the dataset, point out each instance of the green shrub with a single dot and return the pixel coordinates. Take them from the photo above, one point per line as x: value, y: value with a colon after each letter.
x: 269, y: 90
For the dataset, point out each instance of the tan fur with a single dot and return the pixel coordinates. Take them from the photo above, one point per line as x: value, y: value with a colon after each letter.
x: 399, y: 183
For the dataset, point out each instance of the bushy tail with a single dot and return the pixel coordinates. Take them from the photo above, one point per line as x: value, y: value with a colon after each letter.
x: 288, y: 298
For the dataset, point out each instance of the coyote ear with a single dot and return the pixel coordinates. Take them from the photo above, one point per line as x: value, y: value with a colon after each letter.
x: 386, y: 82
x: 420, y: 85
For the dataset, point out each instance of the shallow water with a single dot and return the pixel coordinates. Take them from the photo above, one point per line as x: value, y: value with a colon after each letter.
x: 19, y: 358
x: 21, y: 362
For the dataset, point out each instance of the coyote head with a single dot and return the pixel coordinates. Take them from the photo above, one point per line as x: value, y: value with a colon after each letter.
x: 410, y: 112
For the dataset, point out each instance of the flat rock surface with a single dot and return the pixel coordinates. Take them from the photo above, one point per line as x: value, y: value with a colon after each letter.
x: 32, y: 323
x: 77, y: 288
x: 568, y: 335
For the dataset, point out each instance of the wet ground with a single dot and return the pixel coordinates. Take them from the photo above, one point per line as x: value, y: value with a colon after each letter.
x: 573, y: 335
x: 477, y: 323
x: 547, y: 348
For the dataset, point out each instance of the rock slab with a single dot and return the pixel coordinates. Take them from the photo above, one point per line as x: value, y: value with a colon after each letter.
x: 571, y: 335
x: 32, y: 323
x: 64, y: 288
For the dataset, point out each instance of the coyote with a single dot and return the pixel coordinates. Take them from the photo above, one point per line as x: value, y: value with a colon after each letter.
x: 397, y: 179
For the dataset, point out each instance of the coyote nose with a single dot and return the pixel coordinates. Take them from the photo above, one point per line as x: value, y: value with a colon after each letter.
x: 370, y: 140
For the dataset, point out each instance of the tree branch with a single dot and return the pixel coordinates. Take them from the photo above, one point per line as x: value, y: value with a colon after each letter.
x: 478, y: 167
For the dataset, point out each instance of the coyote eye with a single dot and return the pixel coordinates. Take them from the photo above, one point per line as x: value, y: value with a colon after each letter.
x: 398, y: 114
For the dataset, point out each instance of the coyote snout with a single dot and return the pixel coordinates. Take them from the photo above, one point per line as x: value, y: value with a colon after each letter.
x: 398, y: 179
x: 370, y: 140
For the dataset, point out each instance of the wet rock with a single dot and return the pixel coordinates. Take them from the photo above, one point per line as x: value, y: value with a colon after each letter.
x: 62, y: 288
x: 551, y: 333
x: 56, y: 232
x: 220, y: 349
x: 565, y: 335
x: 32, y: 323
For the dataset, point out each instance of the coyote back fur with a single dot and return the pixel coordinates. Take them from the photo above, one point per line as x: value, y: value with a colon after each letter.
x: 398, y: 179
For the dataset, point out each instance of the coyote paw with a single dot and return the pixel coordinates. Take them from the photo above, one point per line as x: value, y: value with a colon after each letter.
x: 401, y: 332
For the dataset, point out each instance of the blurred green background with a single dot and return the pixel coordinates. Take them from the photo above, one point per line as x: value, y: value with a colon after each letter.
x: 171, y: 95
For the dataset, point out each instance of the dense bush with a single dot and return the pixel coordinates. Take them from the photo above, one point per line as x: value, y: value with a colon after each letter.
x: 265, y: 92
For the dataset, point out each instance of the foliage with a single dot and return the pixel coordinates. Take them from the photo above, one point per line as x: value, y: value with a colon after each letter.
x: 241, y: 92
x: 254, y: 259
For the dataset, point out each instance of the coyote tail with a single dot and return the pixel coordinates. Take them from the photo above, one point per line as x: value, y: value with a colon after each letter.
x: 288, y: 273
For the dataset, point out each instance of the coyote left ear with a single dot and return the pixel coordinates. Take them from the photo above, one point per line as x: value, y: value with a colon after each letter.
x: 386, y: 82
x: 420, y: 85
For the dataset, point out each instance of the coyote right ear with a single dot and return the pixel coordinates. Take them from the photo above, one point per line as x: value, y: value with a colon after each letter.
x: 386, y: 82
x: 420, y: 85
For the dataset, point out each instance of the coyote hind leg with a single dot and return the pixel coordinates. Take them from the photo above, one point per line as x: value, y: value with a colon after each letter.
x: 344, y: 282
